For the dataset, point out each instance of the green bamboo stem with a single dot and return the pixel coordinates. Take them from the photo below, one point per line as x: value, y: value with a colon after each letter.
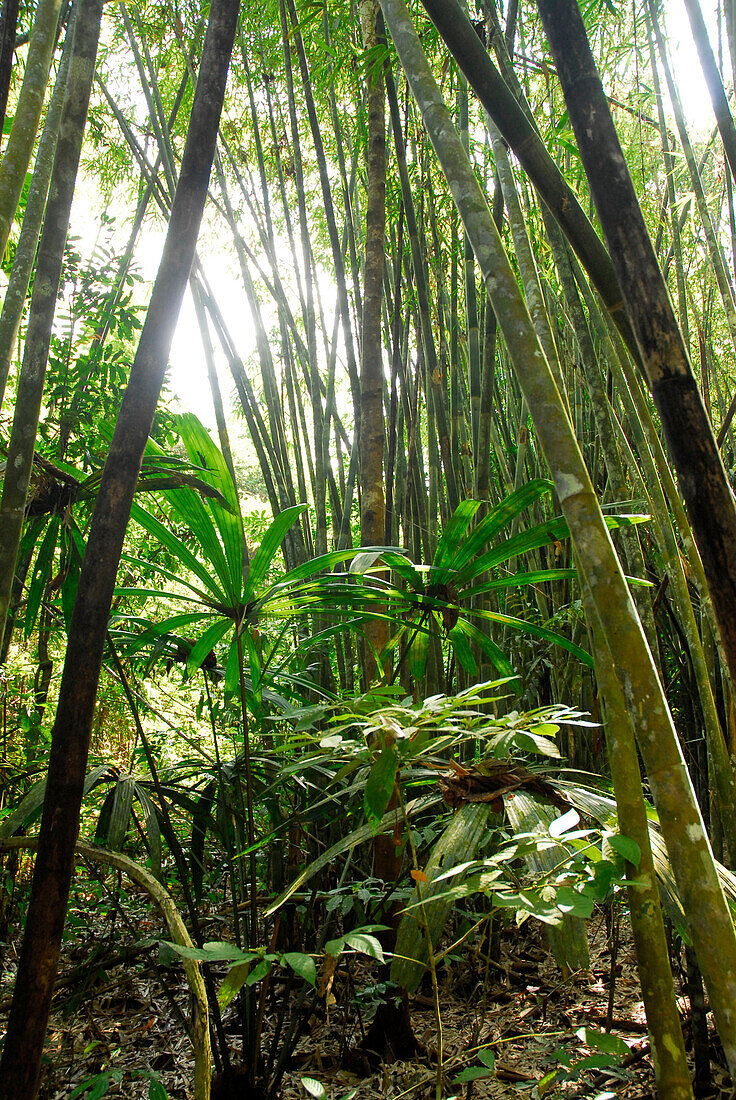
x: 715, y: 251
x: 25, y: 251
x: 682, y: 825
x: 524, y: 255
x: 645, y: 911
x: 604, y: 420
x: 43, y: 302
x: 27, y: 113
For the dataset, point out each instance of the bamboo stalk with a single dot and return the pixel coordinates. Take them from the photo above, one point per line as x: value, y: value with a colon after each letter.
x: 682, y: 825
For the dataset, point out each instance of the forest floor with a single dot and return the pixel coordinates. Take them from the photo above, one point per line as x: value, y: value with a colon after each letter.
x: 124, y: 1020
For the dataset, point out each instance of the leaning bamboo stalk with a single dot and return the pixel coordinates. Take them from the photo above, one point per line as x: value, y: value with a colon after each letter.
x: 198, y: 1028
x: 524, y: 255
x: 642, y: 892
x: 605, y: 428
x: 715, y: 85
x: 702, y: 477
x: 682, y: 825
x: 498, y: 99
x: 670, y: 194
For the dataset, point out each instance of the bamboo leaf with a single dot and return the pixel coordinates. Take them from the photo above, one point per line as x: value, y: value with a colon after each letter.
x: 179, y: 550
x: 207, y: 642
x: 269, y: 547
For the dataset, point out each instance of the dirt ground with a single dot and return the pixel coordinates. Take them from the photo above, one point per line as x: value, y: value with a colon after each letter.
x: 125, y: 1020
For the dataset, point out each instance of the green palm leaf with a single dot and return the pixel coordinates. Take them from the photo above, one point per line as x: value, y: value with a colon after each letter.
x: 179, y: 550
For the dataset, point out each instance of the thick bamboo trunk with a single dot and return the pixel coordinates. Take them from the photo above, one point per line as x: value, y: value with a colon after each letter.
x: 372, y: 434
x: 682, y: 824
x: 701, y: 475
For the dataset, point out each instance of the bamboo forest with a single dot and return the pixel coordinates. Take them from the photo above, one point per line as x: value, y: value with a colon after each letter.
x: 367, y: 549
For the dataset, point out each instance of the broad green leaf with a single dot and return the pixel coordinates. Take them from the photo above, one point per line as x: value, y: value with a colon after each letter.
x: 328, y: 562
x: 555, y: 530
x: 548, y: 1082
x: 190, y: 508
x: 461, y: 649
x: 533, y: 742
x: 536, y: 631
x: 358, y: 836
x: 406, y: 569
x: 179, y: 550
x: 203, y: 452
x: 201, y: 595
x: 519, y: 580
x: 417, y: 654
x: 494, y: 653
x: 42, y: 574
x: 602, y: 1040
x: 573, y: 903
x: 204, y: 645
x: 153, y: 832
x: 449, y: 546
x: 215, y: 951
x: 232, y: 670
x: 366, y: 560
x: 625, y: 847
x: 120, y: 817
x: 233, y: 983
x: 499, y: 516
x: 380, y: 784
x: 98, y: 1086
x: 301, y: 964
x: 472, y: 1073
x: 365, y: 944
x: 259, y: 971
x: 156, y: 1090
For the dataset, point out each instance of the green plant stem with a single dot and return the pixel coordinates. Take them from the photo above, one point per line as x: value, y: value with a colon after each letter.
x: 430, y: 947
x: 198, y: 1029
